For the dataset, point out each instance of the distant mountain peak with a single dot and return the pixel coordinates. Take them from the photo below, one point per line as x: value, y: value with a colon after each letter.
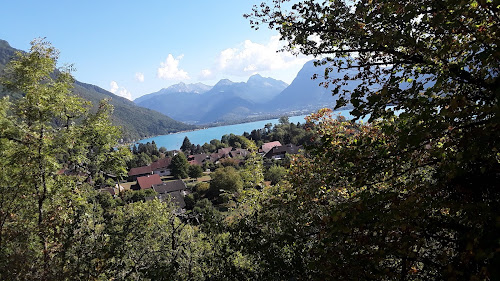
x: 255, y: 77
x: 224, y: 82
x: 182, y: 87
x: 4, y: 44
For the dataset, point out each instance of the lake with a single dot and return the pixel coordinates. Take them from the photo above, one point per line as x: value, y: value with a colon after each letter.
x: 174, y: 141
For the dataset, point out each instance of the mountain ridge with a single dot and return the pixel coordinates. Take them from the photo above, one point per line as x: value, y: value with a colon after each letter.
x: 228, y: 101
x: 225, y: 101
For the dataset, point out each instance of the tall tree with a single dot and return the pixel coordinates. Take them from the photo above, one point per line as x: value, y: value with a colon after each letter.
x: 50, y: 144
x: 186, y: 145
x: 180, y: 166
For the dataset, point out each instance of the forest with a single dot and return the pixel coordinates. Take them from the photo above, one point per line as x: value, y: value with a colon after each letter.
x: 409, y: 196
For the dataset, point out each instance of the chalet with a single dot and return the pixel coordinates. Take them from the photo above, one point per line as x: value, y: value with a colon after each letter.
x: 239, y: 153
x: 279, y: 152
x: 162, y: 167
x: 172, y: 190
x: 143, y: 171
x: 148, y: 181
x: 266, y: 147
x: 198, y: 159
x: 220, y: 154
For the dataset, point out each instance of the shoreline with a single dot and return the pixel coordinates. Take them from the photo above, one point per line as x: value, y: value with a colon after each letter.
x: 215, y: 125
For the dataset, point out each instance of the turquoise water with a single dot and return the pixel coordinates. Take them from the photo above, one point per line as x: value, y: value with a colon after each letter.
x: 174, y: 141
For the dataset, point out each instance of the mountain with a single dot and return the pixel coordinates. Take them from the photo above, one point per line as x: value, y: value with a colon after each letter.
x: 228, y: 102
x: 136, y: 122
x: 224, y: 102
x: 305, y: 94
x: 198, y: 88
x: 263, y: 88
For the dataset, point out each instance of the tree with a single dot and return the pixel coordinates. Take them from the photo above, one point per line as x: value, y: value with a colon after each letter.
x: 49, y: 139
x: 275, y: 174
x: 179, y: 166
x: 195, y: 171
x: 416, y: 181
x: 225, y: 180
x: 186, y: 145
x: 284, y: 120
x: 252, y: 172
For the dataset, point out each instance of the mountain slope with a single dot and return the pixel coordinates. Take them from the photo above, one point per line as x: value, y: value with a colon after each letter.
x: 136, y: 122
x: 305, y: 93
x: 227, y: 101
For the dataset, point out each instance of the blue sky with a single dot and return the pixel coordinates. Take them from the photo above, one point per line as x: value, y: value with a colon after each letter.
x: 138, y: 47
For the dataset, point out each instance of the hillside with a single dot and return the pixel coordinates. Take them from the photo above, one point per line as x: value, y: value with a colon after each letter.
x: 136, y: 122
x: 305, y: 93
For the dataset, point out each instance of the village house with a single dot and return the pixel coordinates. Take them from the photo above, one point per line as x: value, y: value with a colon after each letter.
x: 137, y: 172
x: 239, y: 153
x: 268, y: 146
x: 198, y: 159
x: 160, y: 167
x: 148, y: 181
x: 279, y: 152
x: 171, y: 190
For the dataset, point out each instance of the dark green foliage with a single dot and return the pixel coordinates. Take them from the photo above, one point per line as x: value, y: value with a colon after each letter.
x: 402, y: 198
x: 131, y: 196
x: 143, y: 154
x: 284, y: 132
x: 209, y: 218
x: 186, y: 146
x: 195, y: 171
x: 179, y: 166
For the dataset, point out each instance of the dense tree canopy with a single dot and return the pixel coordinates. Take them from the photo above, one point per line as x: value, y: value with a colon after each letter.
x: 398, y: 198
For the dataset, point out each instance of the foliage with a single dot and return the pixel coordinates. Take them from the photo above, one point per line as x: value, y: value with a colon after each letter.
x: 186, y: 145
x: 131, y: 196
x: 179, y: 166
x: 398, y: 198
x: 195, y: 171
x: 284, y: 132
x: 46, y: 157
x: 252, y: 172
x: 225, y: 180
x: 275, y: 174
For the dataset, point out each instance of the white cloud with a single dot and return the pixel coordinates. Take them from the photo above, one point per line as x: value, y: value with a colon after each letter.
x: 119, y: 91
x: 252, y: 58
x: 114, y: 87
x: 170, y: 69
x: 139, y: 76
x: 207, y: 74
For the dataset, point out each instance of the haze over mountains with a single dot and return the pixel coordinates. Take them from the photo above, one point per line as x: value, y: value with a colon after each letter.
x: 136, y: 122
x: 228, y: 101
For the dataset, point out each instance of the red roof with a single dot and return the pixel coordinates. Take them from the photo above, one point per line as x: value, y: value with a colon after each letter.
x: 161, y: 164
x: 140, y: 171
x: 224, y: 150
x: 197, y: 159
x: 148, y: 181
x: 269, y: 145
